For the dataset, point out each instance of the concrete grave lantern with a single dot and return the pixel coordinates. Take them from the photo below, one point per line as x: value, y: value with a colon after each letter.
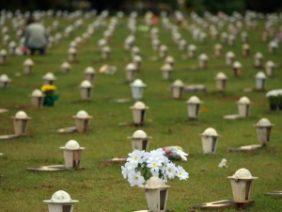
x: 177, y: 89
x: 49, y: 78
x: 4, y: 81
x: 156, y: 192
x: 237, y: 68
x: 60, y: 202
x: 203, y: 61
x: 139, y: 113
x: 19, y: 51
x: 5, y: 29
x: 156, y: 43
x: 50, y: 41
x: 58, y: 37
x: 154, y: 31
x: 163, y: 50
x: 82, y: 120
x: 12, y: 47
x: 78, y: 40
x: 137, y: 89
x: 166, y: 71
x: 218, y: 50
x: 3, y: 56
x: 65, y: 67
x: 72, y: 54
x: 192, y: 50
x: 260, y: 79
x: 246, y: 50
x: 244, y: 37
x: 263, y: 128
x: 169, y: 60
x: 129, y: 42
x: 137, y: 60
x: 106, y: 52
x: 73, y: 44
x: 213, y: 32
x: 273, y: 46
x: 86, y: 35
x: 120, y: 14
x: 176, y: 37
x: 193, y: 106
x: 6, y: 39
x: 229, y: 58
x: 241, y: 184
x: 102, y: 43
x: 221, y: 81
x: 209, y: 140
x: 258, y: 60
x: 202, y: 37
x: 135, y: 50
x: 72, y: 154
x: 130, y: 71
x: 85, y: 90
x: 108, y: 33
x: 223, y: 37
x: 269, y: 68
x: 243, y: 105
x: 37, y: 98
x: 27, y: 66
x: 182, y: 44
x: 89, y: 73
x: 140, y: 140
x: 20, y: 123
x: 231, y: 39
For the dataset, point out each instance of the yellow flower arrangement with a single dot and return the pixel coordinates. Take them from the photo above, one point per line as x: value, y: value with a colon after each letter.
x: 45, y: 88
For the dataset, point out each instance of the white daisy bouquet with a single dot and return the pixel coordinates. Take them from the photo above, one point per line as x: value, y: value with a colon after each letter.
x: 141, y: 165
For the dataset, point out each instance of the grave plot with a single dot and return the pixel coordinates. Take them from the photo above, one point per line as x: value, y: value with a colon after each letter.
x: 150, y: 99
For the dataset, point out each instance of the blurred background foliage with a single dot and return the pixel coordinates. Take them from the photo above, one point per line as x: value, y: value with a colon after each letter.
x: 214, y: 6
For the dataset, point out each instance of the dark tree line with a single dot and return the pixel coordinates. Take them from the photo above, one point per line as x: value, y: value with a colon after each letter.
x: 239, y: 5
x: 197, y: 5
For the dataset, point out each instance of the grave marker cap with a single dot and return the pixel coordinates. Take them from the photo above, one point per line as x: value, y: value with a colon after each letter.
x: 21, y: 115
x: 244, y: 100
x: 61, y: 197
x: 85, y: 84
x: 194, y: 100
x: 242, y: 174
x: 210, y: 132
x: 264, y: 122
x: 72, y: 145
x: 260, y: 75
x: 37, y: 93
x: 138, y: 83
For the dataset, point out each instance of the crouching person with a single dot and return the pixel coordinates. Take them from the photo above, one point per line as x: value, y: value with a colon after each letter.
x: 36, y: 37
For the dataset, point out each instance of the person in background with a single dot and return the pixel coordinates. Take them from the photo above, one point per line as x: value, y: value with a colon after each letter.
x: 36, y: 37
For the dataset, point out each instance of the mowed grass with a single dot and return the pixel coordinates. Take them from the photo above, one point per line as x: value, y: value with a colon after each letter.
x: 102, y: 188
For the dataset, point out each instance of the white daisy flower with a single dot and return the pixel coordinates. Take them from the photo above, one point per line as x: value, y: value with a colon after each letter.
x: 170, y: 171
x: 182, y: 174
x: 135, y: 157
x: 135, y: 179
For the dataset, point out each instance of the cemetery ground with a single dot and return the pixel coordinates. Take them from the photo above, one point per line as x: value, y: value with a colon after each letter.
x: 102, y: 188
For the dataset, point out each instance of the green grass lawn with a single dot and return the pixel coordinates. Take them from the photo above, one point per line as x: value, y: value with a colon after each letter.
x: 102, y: 188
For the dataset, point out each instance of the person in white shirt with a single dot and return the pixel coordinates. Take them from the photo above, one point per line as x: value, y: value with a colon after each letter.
x: 36, y: 37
